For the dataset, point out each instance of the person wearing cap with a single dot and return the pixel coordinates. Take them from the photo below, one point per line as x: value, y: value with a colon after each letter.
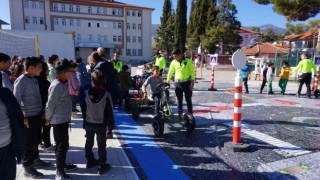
x: 184, y: 79
x: 160, y: 62
x: 305, y: 66
x: 117, y: 64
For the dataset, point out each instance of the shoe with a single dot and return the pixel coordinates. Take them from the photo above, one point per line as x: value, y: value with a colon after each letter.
x: 92, y: 163
x: 70, y: 167
x: 50, y: 149
x: 309, y: 97
x: 41, y: 145
x: 298, y: 95
x: 32, y: 173
x: 109, y: 135
x: 260, y: 92
x: 62, y: 176
x: 38, y: 164
x: 247, y: 92
x: 165, y: 109
x: 104, y: 168
x: 271, y: 93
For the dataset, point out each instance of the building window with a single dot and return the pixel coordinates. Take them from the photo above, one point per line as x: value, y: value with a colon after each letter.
x: 134, y: 26
x: 105, y: 11
x: 119, y: 38
x: 71, y: 22
x: 90, y: 37
x: 134, y: 39
x: 134, y: 52
x: 139, y: 52
x: 128, y: 12
x: 104, y: 25
x: 78, y: 23
x: 77, y: 8
x: 114, y: 11
x: 89, y: 24
x: 34, y: 20
x: 139, y: 39
x: 41, y: 20
x: 128, y: 38
x: 26, y: 4
x: 119, y: 12
x: 99, y: 38
x: 98, y: 25
x: 71, y: 8
x: 105, y: 38
x: 98, y: 10
x: 128, y: 25
x: 34, y: 5
x: 119, y: 25
x: 139, y: 13
x: 55, y: 7
x: 41, y: 5
x: 133, y: 13
x: 56, y: 22
x: 89, y: 9
x: 114, y: 25
x: 78, y: 37
x: 139, y: 26
x: 27, y: 20
x: 128, y: 52
x: 114, y: 38
x: 64, y: 22
x: 63, y: 7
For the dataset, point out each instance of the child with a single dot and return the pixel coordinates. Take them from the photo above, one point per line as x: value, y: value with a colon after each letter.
x: 153, y: 81
x: 74, y: 86
x: 58, y: 113
x: 125, y: 83
x: 17, y: 70
x: 284, y: 77
x: 97, y: 113
x: 264, y: 77
x: 26, y: 91
x: 270, y: 78
x: 258, y: 72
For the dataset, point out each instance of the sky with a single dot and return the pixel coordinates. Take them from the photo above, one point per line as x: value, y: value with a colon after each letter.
x: 249, y: 12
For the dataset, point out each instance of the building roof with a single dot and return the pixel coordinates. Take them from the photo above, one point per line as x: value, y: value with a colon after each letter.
x: 104, y: 2
x: 244, y: 30
x: 265, y: 48
x: 3, y: 23
x: 305, y: 35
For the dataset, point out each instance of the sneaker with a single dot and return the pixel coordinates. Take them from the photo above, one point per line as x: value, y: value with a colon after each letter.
x: 50, y: 149
x: 104, y: 168
x: 92, y: 163
x: 62, y: 176
x: 109, y: 135
x: 247, y: 92
x: 298, y: 95
x: 32, y: 173
x: 70, y: 167
x: 41, y: 145
x: 38, y: 164
x: 165, y: 109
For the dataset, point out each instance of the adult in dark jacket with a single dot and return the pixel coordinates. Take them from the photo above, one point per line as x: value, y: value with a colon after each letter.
x: 84, y: 78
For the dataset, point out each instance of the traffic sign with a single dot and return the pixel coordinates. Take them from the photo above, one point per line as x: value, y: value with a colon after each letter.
x: 317, y: 60
x: 213, y: 59
x: 239, y: 59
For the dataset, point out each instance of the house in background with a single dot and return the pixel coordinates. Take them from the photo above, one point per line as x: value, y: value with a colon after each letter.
x: 248, y: 36
x: 2, y: 23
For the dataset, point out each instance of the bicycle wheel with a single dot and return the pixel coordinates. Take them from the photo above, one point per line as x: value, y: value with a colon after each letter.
x: 158, y: 126
x: 135, y: 111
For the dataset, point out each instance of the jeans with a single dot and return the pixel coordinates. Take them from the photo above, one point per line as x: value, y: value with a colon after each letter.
x: 157, y: 97
x: 33, y: 135
x: 269, y: 85
x: 74, y: 100
x: 61, y: 137
x: 264, y: 81
x: 305, y: 78
x: 101, y: 141
x: 283, y: 84
x: 184, y: 87
x: 8, y: 166
x: 245, y: 82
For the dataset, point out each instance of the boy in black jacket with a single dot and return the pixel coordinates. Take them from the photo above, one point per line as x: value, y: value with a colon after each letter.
x: 97, y: 110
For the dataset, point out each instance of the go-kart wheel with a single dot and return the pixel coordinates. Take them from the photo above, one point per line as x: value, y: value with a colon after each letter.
x: 127, y: 104
x: 316, y: 93
x: 190, y: 122
x: 158, y: 126
x: 135, y: 111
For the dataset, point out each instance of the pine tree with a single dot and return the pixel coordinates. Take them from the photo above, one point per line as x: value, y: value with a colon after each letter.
x: 190, y: 29
x: 181, y: 25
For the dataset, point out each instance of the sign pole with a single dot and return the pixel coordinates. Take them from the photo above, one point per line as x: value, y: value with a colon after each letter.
x: 212, y: 80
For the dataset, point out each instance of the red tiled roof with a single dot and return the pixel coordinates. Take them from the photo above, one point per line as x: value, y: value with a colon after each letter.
x: 305, y: 35
x: 101, y: 2
x: 244, y: 30
x: 265, y: 48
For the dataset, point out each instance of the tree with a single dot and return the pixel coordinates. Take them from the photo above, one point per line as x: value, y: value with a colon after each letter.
x: 256, y: 29
x: 294, y: 9
x: 181, y: 25
x: 165, y: 40
x: 190, y: 29
x: 269, y: 36
x: 314, y: 26
x: 295, y: 29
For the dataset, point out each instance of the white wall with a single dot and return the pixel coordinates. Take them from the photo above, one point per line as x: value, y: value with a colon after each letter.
x: 52, y: 43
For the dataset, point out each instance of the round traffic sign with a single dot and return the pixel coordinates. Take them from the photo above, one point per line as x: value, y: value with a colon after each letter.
x: 239, y: 59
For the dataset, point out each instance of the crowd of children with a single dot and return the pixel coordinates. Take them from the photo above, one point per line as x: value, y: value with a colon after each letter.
x: 46, y: 94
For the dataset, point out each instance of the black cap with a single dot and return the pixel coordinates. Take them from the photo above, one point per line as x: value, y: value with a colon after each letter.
x: 176, y: 51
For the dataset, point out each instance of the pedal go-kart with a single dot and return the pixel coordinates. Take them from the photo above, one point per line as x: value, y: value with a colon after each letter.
x: 166, y: 113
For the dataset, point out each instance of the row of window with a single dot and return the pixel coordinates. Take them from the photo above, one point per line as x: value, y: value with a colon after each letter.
x: 35, y: 21
x: 104, y: 38
x: 134, y: 39
x: 134, y: 26
x: 90, y: 10
x: 134, y: 13
x: 34, y: 4
x: 133, y: 52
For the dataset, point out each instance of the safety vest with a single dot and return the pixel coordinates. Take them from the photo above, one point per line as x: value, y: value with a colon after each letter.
x: 117, y: 65
x: 306, y: 66
x: 161, y: 62
x: 184, y: 70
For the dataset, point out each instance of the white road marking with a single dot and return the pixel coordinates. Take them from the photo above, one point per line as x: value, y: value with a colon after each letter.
x: 284, y: 148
